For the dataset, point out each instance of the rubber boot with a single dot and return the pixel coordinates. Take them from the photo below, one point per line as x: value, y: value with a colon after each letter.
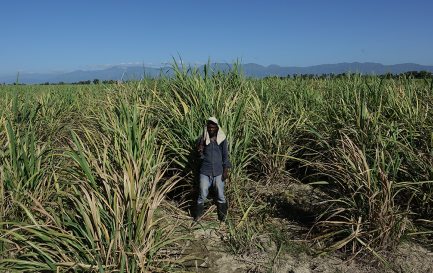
x: 222, y: 211
x: 198, y: 211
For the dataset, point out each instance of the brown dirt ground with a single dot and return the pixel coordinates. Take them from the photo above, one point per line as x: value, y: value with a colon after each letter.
x: 209, y: 254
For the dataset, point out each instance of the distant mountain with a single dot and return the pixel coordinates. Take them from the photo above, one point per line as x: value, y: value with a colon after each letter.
x: 112, y: 73
x: 249, y: 69
x: 255, y: 70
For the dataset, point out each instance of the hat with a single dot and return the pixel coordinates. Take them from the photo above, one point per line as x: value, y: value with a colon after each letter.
x: 213, y: 119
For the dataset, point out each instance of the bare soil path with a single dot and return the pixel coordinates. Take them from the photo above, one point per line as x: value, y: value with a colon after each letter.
x: 208, y: 247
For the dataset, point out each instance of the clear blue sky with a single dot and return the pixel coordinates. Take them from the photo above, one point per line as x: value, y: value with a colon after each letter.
x: 64, y: 35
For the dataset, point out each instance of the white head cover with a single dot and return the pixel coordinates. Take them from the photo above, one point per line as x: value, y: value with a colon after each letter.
x: 220, y: 135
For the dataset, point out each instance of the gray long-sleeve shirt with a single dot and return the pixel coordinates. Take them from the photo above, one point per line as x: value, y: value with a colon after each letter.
x: 215, y: 159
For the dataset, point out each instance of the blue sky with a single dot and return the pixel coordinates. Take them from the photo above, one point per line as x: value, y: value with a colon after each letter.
x: 64, y: 35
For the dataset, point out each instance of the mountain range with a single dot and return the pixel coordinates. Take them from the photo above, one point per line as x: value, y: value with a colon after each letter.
x: 249, y: 69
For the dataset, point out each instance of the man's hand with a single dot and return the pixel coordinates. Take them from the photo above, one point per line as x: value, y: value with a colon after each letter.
x: 225, y: 174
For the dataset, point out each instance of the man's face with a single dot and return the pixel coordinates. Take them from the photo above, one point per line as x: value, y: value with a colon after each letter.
x: 212, y: 129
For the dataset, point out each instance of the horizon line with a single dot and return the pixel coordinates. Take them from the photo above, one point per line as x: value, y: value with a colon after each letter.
x: 189, y: 64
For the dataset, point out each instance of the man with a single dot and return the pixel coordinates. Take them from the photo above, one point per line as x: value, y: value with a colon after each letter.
x: 215, y: 163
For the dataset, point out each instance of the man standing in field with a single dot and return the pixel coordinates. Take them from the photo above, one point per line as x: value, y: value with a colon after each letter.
x: 213, y: 150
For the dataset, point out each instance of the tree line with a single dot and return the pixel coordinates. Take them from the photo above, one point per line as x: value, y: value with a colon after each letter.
x: 95, y: 81
x: 409, y: 74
